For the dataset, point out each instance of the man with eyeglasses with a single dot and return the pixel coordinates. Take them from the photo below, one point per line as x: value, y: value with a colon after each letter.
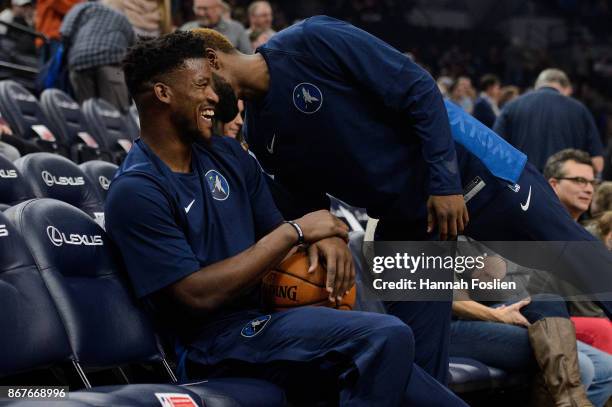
x: 209, y: 14
x: 570, y: 173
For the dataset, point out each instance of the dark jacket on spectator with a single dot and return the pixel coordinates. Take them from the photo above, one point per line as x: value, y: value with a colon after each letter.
x: 100, y: 37
x: 483, y: 111
x: 542, y: 122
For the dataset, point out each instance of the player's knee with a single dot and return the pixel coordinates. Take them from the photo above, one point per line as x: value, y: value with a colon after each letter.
x: 398, y: 334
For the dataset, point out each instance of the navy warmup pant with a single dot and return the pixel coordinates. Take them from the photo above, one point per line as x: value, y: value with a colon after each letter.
x: 370, y: 356
x: 535, y: 213
x: 429, y: 320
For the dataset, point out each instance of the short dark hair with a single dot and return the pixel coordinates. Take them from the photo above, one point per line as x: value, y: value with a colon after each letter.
x: 554, y: 164
x: 488, y: 80
x: 150, y: 58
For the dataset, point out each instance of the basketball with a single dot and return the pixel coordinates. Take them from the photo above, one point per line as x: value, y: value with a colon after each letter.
x: 290, y: 285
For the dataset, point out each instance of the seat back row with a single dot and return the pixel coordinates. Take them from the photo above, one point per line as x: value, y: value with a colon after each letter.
x: 46, y: 175
x: 64, y: 298
x: 58, y: 124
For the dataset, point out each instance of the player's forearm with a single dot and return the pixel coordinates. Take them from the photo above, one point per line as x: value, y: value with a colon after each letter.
x: 214, y: 286
x: 473, y: 310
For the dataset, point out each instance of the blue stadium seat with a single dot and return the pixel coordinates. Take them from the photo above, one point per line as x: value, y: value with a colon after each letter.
x: 100, y: 174
x: 22, y: 111
x: 32, y: 334
x: 105, y: 327
x: 67, y: 121
x: 469, y: 375
x: 13, y: 187
x: 109, y: 126
x: 53, y: 176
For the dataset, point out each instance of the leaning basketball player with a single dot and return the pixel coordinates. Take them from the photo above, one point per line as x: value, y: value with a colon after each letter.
x: 197, y: 230
x: 333, y: 109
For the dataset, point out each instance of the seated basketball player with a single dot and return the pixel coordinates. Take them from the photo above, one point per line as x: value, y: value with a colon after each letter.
x: 197, y: 230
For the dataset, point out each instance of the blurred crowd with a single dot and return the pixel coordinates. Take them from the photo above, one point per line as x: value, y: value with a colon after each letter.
x: 461, y: 56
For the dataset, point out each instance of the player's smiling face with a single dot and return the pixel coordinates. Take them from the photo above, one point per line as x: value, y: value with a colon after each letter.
x: 195, y: 101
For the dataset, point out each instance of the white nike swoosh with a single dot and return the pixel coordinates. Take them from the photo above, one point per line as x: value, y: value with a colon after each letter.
x: 525, y: 206
x: 188, y: 207
x: 270, y: 148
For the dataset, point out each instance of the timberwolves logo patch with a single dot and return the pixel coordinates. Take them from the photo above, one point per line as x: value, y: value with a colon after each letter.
x: 219, y: 188
x: 255, y: 326
x: 307, y: 98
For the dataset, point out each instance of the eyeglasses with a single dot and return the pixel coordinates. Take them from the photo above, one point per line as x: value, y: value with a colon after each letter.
x: 581, y: 181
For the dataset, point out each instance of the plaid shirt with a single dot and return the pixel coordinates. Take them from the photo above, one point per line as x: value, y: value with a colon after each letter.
x: 98, y: 36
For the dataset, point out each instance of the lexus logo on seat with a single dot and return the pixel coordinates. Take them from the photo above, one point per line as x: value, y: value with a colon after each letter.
x: 104, y: 182
x: 51, y: 180
x: 110, y: 113
x: 3, y: 231
x: 65, y: 104
x: 8, y: 173
x: 58, y: 238
x: 24, y: 97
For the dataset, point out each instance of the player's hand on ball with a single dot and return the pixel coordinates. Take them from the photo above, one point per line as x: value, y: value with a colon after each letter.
x: 338, y: 262
x: 448, y: 213
x: 320, y: 225
x: 511, y: 314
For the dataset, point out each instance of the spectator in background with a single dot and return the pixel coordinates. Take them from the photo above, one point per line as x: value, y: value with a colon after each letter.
x: 547, y: 120
x: 486, y: 109
x: 98, y: 45
x: 49, y: 16
x: 602, y: 228
x: 226, y: 10
x: 209, y: 15
x: 16, y: 44
x: 259, y: 38
x: 233, y: 128
x: 508, y: 94
x: 462, y: 93
x: 260, y: 17
x: 444, y: 84
x: 571, y: 175
x: 509, y: 336
x: 602, y: 199
x: 21, y: 12
x: 149, y: 18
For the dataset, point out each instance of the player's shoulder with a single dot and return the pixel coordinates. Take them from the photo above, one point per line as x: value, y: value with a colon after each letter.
x: 315, y: 27
x: 220, y: 145
x: 322, y: 22
x: 136, y: 177
x: 130, y: 188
